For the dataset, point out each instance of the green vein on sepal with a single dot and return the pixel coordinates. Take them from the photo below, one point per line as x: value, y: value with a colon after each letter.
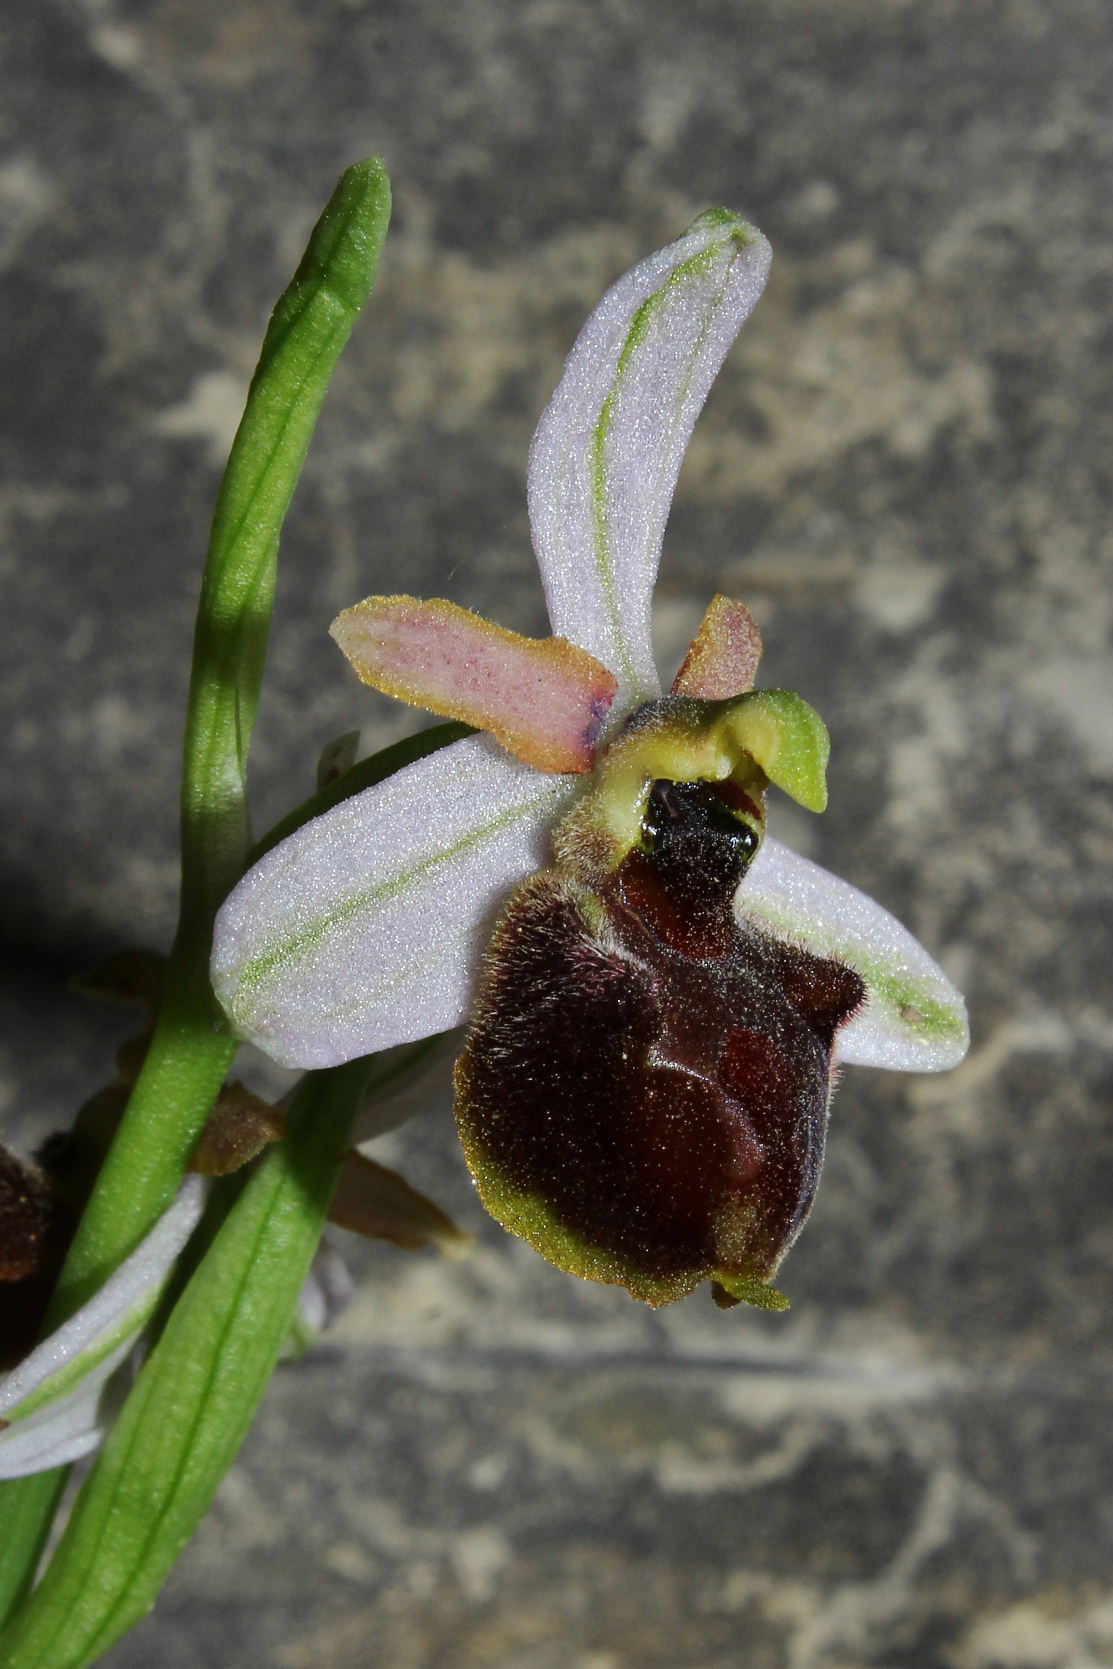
x: 695, y: 266
x: 911, y: 1003
x: 78, y: 1368
x: 258, y: 969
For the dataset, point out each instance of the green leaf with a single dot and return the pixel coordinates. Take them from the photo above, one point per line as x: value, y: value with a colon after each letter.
x: 190, y: 1053
x: 195, y: 1398
x: 307, y: 332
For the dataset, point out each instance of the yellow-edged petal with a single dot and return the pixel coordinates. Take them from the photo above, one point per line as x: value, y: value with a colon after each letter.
x: 544, y: 699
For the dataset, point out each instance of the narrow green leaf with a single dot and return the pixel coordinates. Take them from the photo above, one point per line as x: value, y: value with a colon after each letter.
x: 195, y: 1398
x: 307, y: 331
x: 190, y: 1053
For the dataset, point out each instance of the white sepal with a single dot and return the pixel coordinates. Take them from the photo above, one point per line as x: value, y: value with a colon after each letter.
x: 53, y: 1401
x: 913, y: 1019
x: 609, y: 446
x: 365, y: 928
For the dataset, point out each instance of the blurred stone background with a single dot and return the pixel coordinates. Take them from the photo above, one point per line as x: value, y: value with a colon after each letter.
x: 905, y: 468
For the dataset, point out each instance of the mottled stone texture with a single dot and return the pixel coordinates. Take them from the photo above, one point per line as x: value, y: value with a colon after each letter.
x: 905, y: 470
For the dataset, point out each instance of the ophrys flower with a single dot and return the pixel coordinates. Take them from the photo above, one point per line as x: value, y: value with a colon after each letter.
x: 55, y: 1406
x: 644, y: 1092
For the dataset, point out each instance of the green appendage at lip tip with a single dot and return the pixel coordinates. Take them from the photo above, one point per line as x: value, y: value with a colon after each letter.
x: 748, y: 1289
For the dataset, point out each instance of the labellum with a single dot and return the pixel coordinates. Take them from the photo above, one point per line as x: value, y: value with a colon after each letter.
x: 644, y: 1091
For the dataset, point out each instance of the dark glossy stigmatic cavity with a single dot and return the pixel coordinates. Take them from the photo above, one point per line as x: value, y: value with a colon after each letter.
x: 644, y: 1092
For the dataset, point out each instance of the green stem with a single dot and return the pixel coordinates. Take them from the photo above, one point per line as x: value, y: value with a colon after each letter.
x: 189, y: 1054
x: 185, y: 1067
x: 196, y: 1396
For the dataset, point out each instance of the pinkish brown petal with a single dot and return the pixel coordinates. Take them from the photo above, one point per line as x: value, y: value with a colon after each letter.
x: 544, y: 699
x: 724, y: 654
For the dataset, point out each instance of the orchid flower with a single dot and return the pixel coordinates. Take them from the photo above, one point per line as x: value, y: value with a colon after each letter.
x: 54, y: 1407
x: 666, y: 993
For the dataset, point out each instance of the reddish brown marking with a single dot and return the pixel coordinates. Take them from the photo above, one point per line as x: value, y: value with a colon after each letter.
x: 664, y: 1090
x: 35, y: 1229
x: 723, y: 658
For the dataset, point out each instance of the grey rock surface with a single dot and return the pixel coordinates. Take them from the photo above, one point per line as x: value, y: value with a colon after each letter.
x: 905, y: 469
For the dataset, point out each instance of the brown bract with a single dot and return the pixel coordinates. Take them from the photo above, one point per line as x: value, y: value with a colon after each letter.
x: 237, y: 1130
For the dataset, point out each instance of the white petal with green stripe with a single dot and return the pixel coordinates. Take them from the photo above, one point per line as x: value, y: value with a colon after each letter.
x: 51, y: 1404
x: 913, y: 1019
x: 365, y: 928
x: 609, y: 446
